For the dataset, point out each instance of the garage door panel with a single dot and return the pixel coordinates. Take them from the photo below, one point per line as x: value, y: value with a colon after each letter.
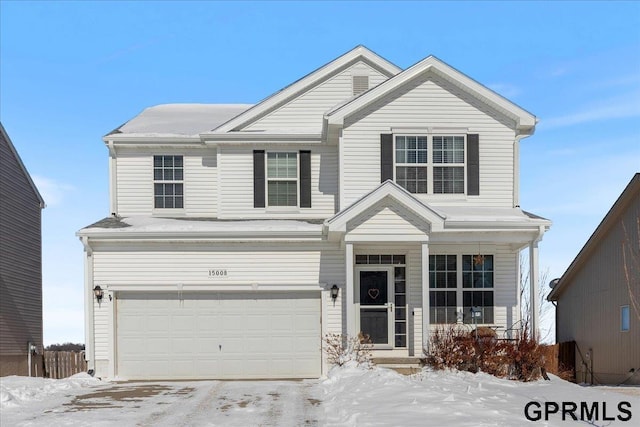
x: 218, y: 335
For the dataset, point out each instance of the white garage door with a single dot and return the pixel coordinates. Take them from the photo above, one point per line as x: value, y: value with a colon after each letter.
x: 218, y: 335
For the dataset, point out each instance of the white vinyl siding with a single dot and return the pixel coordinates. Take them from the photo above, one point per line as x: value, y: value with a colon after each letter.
x: 306, y: 110
x: 236, y: 184
x: 163, y: 266
x: 386, y: 218
x: 135, y: 181
x: 429, y: 103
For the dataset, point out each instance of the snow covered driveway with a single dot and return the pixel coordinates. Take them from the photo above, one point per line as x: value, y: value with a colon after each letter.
x: 349, y: 397
x: 193, y: 403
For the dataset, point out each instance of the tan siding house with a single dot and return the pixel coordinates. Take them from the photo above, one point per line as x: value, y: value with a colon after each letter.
x: 598, y: 297
x: 20, y: 266
x: 360, y: 198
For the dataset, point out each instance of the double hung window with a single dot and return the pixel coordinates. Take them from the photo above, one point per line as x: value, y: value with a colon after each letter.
x: 282, y: 179
x: 430, y: 164
x: 458, y: 283
x: 168, y: 182
x: 411, y: 163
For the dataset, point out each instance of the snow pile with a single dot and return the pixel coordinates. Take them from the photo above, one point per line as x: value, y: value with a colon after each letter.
x: 380, y: 397
x: 17, y: 391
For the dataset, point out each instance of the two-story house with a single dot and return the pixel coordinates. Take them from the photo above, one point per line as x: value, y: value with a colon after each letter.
x: 21, y: 345
x: 361, y: 197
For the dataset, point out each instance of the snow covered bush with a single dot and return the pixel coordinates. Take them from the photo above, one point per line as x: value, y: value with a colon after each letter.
x: 342, y: 349
x: 457, y: 348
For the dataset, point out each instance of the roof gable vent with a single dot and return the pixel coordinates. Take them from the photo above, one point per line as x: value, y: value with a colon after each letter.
x: 360, y: 84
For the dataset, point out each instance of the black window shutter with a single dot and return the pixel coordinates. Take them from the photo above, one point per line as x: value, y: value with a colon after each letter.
x: 305, y: 179
x: 473, y: 164
x: 386, y: 157
x: 258, y: 179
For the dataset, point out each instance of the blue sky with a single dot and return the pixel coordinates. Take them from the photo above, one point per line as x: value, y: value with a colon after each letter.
x: 70, y: 72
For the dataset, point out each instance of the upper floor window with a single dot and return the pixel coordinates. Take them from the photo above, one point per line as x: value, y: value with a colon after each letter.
x: 168, y: 182
x: 430, y: 164
x: 282, y: 179
x: 411, y: 163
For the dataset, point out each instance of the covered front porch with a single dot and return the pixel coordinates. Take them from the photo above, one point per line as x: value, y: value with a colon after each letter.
x: 410, y: 268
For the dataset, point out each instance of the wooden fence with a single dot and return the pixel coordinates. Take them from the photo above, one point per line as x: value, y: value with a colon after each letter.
x: 560, y: 359
x: 63, y: 364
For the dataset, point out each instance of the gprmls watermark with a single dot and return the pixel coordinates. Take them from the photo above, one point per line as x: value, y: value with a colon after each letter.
x: 583, y: 411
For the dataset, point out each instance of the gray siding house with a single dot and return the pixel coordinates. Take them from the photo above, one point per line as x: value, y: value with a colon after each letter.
x: 598, y: 297
x: 20, y: 265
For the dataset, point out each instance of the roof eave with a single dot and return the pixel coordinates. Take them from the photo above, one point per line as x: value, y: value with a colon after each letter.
x: 199, y: 235
x: 525, y: 121
x: 23, y: 167
x: 124, y: 138
x: 236, y: 137
x: 631, y: 190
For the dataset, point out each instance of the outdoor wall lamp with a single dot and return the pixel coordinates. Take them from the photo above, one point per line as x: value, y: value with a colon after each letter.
x: 97, y: 291
x: 334, y: 292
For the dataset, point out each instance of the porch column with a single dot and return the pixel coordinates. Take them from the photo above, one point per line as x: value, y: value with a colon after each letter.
x: 533, y: 288
x: 349, y: 290
x: 424, y: 266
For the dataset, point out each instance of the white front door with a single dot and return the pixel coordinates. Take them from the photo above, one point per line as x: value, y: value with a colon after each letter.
x: 375, y: 299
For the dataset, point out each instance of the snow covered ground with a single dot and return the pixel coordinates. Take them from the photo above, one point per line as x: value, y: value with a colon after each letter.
x: 349, y: 397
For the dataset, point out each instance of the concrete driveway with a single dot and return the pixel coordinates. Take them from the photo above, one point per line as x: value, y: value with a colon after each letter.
x: 192, y: 403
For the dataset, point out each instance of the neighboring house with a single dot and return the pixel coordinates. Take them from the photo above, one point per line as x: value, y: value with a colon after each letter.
x: 597, y: 298
x: 20, y: 266
x: 361, y: 197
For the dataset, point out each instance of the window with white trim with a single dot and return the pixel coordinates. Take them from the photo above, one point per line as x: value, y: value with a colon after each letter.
x: 443, y: 285
x: 442, y: 172
x: 168, y: 182
x: 477, y: 274
x: 624, y: 318
x: 456, y: 284
x: 282, y: 179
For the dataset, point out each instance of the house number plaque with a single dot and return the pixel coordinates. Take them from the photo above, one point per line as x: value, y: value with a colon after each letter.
x: 218, y: 273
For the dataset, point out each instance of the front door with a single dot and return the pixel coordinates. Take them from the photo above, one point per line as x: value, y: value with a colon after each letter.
x: 376, y: 305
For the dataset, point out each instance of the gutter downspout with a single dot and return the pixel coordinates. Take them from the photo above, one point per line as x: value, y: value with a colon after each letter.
x: 113, y: 173
x: 516, y: 170
x: 31, y: 347
x: 88, y: 303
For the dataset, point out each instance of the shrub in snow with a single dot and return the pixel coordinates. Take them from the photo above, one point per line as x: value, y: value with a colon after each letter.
x: 341, y: 349
x: 458, y: 349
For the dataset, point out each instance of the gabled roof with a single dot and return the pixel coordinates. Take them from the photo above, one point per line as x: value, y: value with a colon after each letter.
x: 5, y: 136
x: 629, y: 194
x: 307, y: 82
x: 525, y: 121
x: 338, y: 222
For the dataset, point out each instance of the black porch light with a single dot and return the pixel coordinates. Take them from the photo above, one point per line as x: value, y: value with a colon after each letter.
x: 334, y: 292
x: 97, y: 291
